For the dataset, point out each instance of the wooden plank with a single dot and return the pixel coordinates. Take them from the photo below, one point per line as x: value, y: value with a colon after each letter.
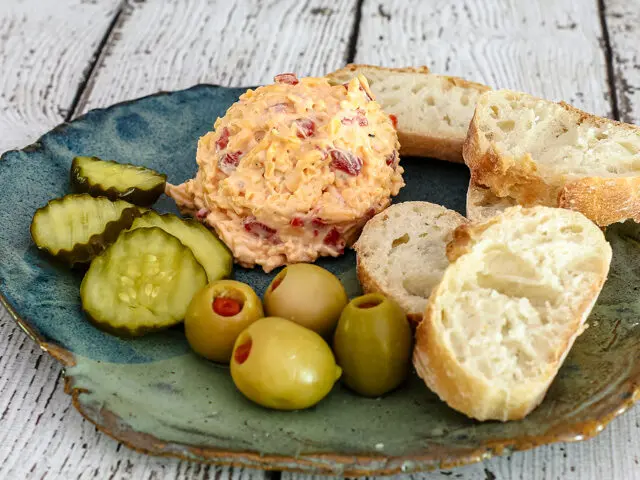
x: 622, y: 20
x: 550, y: 48
x: 154, y: 45
x: 45, y: 51
x: 178, y: 43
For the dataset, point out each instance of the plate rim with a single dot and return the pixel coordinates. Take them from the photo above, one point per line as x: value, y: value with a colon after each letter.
x: 113, y: 426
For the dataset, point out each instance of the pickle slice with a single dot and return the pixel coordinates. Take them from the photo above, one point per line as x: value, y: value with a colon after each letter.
x: 77, y: 227
x: 209, y: 251
x: 106, y: 178
x: 142, y: 283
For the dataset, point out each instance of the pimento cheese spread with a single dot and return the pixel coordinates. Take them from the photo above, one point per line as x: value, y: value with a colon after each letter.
x: 294, y: 170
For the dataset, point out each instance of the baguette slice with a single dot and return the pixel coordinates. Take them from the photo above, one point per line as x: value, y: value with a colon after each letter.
x: 508, y: 309
x: 544, y: 153
x: 433, y: 111
x: 402, y: 253
x: 482, y: 204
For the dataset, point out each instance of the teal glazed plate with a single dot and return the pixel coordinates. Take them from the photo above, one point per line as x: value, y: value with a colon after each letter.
x: 155, y: 396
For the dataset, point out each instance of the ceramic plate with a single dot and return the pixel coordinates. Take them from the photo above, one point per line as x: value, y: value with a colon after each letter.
x: 154, y: 395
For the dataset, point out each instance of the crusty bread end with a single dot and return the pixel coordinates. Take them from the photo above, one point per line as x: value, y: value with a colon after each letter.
x: 543, y: 153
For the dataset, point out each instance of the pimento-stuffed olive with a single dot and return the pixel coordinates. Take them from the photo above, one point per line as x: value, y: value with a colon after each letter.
x: 281, y: 365
x: 216, y: 316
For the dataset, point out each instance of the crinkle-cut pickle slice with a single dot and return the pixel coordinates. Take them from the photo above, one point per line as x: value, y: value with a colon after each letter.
x: 142, y: 283
x: 77, y: 227
x: 209, y: 251
x: 107, y: 178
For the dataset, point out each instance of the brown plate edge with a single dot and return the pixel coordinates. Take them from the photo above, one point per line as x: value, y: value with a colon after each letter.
x: 347, y: 465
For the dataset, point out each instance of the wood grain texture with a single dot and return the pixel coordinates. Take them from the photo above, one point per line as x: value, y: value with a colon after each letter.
x: 43, y: 436
x: 177, y: 43
x: 623, y: 21
x: 45, y: 50
x: 550, y: 48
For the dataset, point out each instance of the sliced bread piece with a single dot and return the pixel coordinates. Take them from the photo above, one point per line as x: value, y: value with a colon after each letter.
x: 433, y: 111
x: 544, y: 153
x: 508, y: 309
x: 402, y: 253
x: 482, y: 204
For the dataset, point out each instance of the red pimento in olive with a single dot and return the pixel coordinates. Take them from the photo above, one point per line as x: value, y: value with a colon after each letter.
x: 346, y: 162
x: 226, y: 307
x: 216, y: 316
x: 242, y: 352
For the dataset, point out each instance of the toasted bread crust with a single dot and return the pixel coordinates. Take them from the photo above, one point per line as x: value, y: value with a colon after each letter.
x: 415, y: 145
x: 353, y: 67
x: 603, y: 200
x: 482, y: 204
x: 436, y: 364
x: 370, y: 285
x: 614, y: 199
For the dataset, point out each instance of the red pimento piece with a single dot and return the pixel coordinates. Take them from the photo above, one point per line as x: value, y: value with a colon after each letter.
x: 394, y: 121
x: 258, y: 229
x: 318, y: 222
x: 297, y: 222
x: 229, y: 162
x: 315, y: 233
x: 371, y: 212
x: 223, y: 141
x: 392, y: 159
x: 346, y: 162
x: 282, y: 107
x: 306, y: 128
x: 242, y: 352
x: 361, y: 117
x: 332, y: 238
x: 288, y: 78
x: 226, y: 307
x: 366, y: 93
x: 202, y: 214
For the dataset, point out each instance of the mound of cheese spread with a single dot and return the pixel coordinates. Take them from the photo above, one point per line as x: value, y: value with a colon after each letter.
x: 294, y: 170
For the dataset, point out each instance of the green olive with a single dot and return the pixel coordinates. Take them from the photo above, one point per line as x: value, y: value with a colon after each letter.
x: 308, y: 295
x: 373, y: 344
x: 279, y: 364
x: 216, y: 316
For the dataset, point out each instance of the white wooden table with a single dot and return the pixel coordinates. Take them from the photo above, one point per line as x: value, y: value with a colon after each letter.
x: 60, y: 58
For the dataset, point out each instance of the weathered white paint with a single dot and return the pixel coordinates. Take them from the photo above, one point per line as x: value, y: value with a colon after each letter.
x: 623, y: 20
x: 545, y: 47
x: 177, y: 43
x: 45, y: 48
x: 173, y: 44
